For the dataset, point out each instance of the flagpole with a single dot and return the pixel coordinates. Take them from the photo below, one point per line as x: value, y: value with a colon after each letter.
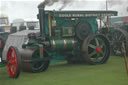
x: 106, y: 5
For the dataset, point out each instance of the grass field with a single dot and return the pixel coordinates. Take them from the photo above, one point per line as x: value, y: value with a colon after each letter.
x: 111, y: 73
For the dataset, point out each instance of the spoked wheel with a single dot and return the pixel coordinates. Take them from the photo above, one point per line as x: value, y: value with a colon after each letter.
x: 118, y: 37
x: 14, y: 62
x: 96, y: 49
x: 109, y: 37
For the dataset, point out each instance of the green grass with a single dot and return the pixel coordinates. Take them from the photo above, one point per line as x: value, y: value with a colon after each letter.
x: 111, y: 73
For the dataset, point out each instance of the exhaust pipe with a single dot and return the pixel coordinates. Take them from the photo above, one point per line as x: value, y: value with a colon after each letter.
x: 42, y: 19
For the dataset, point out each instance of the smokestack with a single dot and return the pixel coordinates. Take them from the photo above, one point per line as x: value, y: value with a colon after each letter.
x: 42, y: 19
x: 41, y: 16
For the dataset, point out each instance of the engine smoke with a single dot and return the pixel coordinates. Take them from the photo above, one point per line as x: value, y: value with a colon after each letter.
x: 52, y: 2
x: 47, y: 3
x: 65, y: 3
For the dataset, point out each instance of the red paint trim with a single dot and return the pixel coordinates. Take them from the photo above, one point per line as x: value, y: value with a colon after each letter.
x: 41, y: 49
x: 98, y: 49
x: 12, y: 66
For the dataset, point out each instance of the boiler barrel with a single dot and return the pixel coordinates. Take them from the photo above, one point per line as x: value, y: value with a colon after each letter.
x: 61, y: 44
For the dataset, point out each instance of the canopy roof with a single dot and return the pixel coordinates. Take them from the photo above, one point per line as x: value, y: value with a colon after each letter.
x: 83, y: 13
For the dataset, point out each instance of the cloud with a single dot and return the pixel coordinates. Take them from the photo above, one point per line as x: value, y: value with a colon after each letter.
x: 19, y: 9
x: 28, y: 8
x: 120, y: 5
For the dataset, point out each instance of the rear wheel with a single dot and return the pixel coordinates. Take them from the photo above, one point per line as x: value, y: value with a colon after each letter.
x: 96, y: 49
x: 14, y: 62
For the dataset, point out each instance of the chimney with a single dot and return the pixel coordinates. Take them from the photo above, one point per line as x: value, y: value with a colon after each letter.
x: 41, y: 17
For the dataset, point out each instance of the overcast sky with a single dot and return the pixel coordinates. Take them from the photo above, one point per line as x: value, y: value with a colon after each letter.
x: 28, y: 8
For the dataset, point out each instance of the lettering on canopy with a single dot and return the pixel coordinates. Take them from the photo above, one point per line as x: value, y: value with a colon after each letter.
x: 83, y: 15
x: 77, y: 14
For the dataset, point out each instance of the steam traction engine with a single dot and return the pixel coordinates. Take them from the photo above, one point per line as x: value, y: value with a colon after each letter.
x: 117, y: 34
x: 120, y: 35
x: 63, y: 35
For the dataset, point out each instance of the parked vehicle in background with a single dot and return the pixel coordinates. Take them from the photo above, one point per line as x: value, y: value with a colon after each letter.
x: 17, y: 25
x: 24, y: 24
x: 4, y: 23
x: 117, y: 33
x: 4, y: 30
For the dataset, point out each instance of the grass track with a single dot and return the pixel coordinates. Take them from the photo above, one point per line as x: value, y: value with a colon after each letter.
x: 111, y: 73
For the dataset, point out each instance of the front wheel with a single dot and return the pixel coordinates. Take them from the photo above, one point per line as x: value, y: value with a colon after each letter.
x: 14, y: 62
x: 96, y: 49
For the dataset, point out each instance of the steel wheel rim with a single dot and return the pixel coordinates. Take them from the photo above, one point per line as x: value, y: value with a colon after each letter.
x: 96, y: 50
x: 37, y: 65
x: 12, y: 65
